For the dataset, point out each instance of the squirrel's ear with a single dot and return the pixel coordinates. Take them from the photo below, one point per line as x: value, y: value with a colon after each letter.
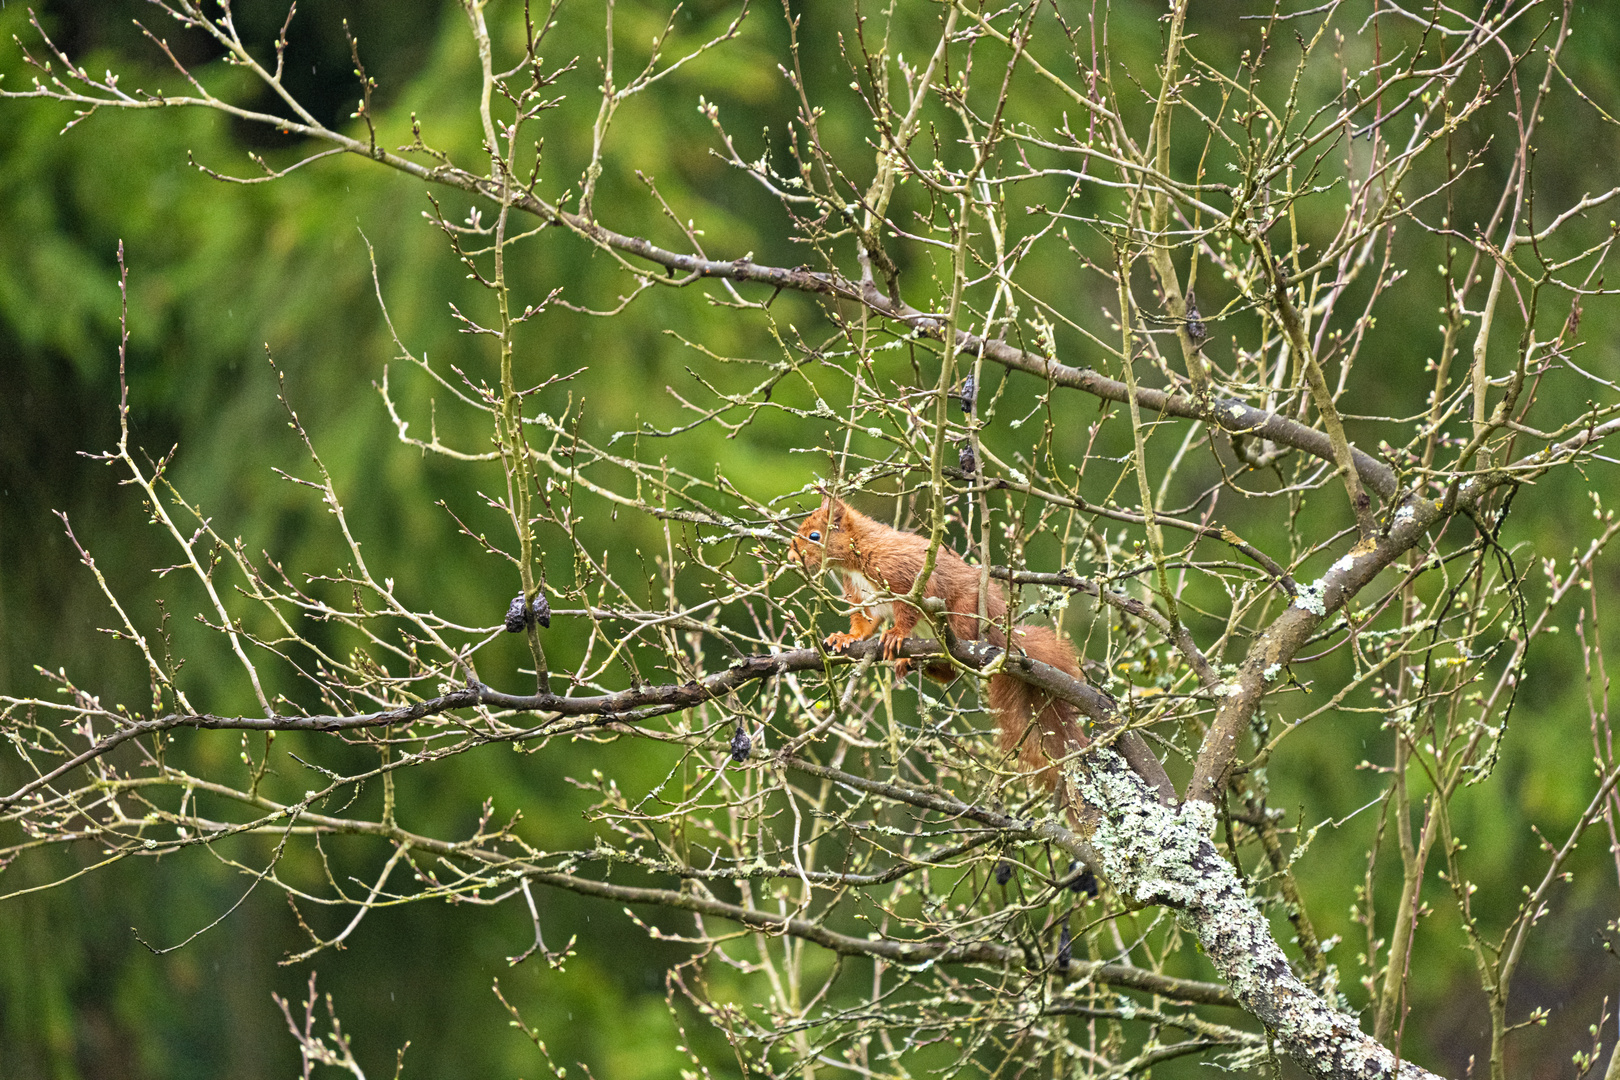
x: 835, y: 512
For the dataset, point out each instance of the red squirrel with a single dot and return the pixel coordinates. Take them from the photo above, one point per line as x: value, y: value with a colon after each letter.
x: 877, y: 565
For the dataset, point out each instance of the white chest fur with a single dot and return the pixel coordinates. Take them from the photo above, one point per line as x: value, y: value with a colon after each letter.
x: 866, y: 594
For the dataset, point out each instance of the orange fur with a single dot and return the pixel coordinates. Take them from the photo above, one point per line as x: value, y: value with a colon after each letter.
x: 877, y: 564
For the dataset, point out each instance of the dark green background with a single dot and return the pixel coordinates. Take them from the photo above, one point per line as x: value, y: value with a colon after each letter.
x: 219, y: 272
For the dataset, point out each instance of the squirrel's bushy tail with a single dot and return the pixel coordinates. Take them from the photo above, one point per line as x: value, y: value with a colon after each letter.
x: 1036, y: 727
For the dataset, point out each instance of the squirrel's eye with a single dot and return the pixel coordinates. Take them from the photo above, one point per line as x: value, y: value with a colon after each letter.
x: 815, y: 536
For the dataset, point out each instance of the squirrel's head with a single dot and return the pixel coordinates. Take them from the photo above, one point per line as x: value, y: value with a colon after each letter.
x: 819, y: 531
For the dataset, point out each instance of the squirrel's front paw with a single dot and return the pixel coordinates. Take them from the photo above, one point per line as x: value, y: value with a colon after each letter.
x: 840, y: 641
x: 893, y: 639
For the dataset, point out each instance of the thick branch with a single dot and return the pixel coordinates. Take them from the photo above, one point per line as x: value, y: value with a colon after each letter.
x: 1163, y: 855
x: 1274, y: 649
x: 625, y: 706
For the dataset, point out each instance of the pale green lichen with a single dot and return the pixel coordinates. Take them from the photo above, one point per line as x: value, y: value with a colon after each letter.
x: 1158, y: 854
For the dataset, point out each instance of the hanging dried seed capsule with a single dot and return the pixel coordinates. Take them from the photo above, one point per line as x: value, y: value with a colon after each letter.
x: 967, y: 459
x: 1196, y: 330
x: 1003, y: 872
x: 515, y: 616
x: 1065, y: 950
x: 1081, y: 879
x: 520, y: 616
x: 968, y: 394
x: 741, y: 744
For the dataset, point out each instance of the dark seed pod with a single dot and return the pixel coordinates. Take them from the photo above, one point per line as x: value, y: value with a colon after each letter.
x: 1196, y: 330
x: 968, y: 395
x: 515, y: 621
x: 541, y: 610
x: 1003, y: 872
x: 741, y: 744
x: 967, y: 459
x: 1065, y: 950
x: 1081, y: 879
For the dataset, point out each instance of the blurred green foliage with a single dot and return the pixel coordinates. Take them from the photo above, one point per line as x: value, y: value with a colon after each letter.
x: 221, y: 275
